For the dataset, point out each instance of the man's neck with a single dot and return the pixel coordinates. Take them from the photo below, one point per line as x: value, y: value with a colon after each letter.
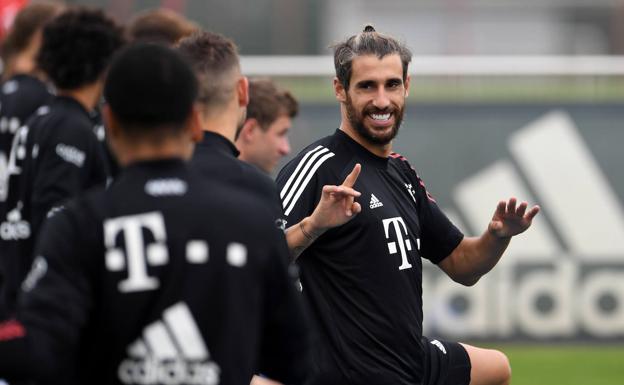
x: 88, y: 95
x: 382, y: 151
x: 223, y: 122
x: 149, y: 151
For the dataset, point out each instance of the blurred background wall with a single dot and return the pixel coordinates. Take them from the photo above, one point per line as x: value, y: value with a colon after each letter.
x: 449, y: 27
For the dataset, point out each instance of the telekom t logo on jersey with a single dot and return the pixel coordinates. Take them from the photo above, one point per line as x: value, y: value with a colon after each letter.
x: 138, y: 254
x: 402, y: 240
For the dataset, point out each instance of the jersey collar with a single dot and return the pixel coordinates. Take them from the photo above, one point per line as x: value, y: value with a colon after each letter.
x: 216, y: 142
x: 368, y: 156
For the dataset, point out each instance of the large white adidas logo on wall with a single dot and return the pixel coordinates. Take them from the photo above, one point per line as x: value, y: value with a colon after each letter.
x: 564, y: 278
x: 171, y: 351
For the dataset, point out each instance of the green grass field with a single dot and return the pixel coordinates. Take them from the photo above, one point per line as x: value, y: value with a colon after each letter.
x: 566, y: 365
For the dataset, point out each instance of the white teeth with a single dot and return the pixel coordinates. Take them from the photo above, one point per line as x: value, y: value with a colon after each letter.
x: 380, y: 116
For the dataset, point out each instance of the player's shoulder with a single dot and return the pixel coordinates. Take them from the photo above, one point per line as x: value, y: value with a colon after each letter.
x: 80, y: 215
x: 324, y: 159
x: 258, y: 179
x: 402, y: 164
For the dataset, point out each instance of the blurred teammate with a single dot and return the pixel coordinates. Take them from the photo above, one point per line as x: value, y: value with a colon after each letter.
x: 362, y: 280
x: 167, y: 277
x: 222, y: 101
x: 263, y: 140
x: 24, y: 88
x: 55, y: 154
x: 160, y: 26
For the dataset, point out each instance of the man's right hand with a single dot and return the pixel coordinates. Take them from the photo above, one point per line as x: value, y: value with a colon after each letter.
x: 337, y: 205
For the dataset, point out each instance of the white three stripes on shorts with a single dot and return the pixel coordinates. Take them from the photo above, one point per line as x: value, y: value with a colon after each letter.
x: 301, y: 177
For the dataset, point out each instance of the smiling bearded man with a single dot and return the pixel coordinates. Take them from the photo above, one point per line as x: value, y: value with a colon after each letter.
x: 362, y: 280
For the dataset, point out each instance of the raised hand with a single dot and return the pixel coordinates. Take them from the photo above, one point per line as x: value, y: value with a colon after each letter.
x: 509, y: 220
x: 337, y: 205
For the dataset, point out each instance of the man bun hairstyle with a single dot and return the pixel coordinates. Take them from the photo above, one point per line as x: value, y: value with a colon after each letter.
x: 77, y: 47
x: 367, y: 42
x: 150, y: 86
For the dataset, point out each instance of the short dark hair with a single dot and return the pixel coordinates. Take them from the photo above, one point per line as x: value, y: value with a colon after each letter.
x: 213, y: 57
x: 160, y: 25
x: 267, y: 102
x: 150, y: 86
x: 367, y: 42
x: 28, y: 21
x: 78, y: 46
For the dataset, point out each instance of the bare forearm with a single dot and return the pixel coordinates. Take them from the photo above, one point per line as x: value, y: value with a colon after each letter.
x: 474, y: 257
x: 300, y: 236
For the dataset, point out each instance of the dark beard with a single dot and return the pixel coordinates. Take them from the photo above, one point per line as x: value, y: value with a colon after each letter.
x: 357, y: 122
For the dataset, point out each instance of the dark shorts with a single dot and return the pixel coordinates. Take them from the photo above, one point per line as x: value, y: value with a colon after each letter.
x: 446, y: 363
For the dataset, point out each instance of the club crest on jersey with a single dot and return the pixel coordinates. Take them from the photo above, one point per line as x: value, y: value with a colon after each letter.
x: 374, y: 202
x: 170, y: 351
x: 411, y: 191
x: 400, y: 242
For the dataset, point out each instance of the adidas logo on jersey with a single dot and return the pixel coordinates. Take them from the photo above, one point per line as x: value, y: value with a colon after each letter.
x: 374, y: 202
x: 171, y: 351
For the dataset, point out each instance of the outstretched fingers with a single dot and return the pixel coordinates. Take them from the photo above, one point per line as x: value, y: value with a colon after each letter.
x: 353, y: 175
x: 348, y: 183
x: 532, y: 213
x: 339, y: 192
x: 521, y: 209
x: 500, y: 209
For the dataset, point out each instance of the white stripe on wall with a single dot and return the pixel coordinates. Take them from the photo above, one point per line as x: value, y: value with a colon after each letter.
x: 567, y: 178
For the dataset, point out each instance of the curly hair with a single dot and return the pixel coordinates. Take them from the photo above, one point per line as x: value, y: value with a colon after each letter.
x: 78, y: 46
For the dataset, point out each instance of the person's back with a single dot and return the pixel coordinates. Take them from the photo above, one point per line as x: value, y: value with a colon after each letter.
x: 215, y: 157
x: 222, y: 101
x: 20, y: 97
x: 56, y: 155
x: 23, y: 88
x: 166, y: 276
x: 180, y: 288
x: 51, y: 163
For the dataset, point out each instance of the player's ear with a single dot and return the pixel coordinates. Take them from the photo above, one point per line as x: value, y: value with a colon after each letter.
x: 242, y: 89
x: 340, y: 91
x: 250, y: 127
x: 195, y: 124
x: 407, y: 84
x: 110, y: 122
